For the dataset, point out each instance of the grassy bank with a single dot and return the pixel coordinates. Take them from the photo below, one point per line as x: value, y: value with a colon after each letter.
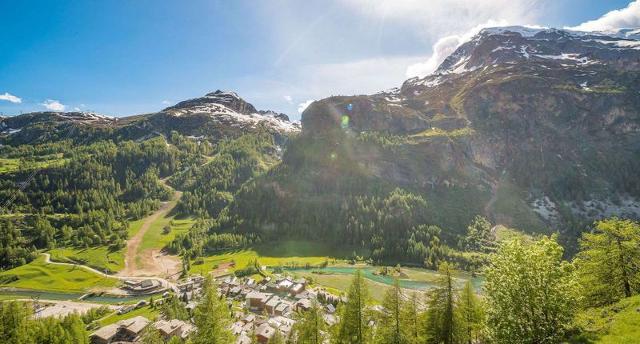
x: 283, y: 253
x: 39, y: 275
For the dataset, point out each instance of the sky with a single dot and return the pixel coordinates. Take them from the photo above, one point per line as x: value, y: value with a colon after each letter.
x: 123, y: 57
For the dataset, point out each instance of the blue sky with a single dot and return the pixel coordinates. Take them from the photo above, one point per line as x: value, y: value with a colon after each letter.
x: 128, y: 57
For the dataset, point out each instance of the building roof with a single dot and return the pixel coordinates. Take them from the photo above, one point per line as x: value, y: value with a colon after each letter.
x: 265, y: 331
x: 243, y: 339
x: 135, y: 324
x: 273, y: 302
x: 106, y: 332
x: 172, y: 327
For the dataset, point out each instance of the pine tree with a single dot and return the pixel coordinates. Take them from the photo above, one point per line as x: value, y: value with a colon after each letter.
x: 411, y: 318
x: 212, y: 317
x: 14, y: 327
x: 607, y: 265
x: 390, y: 322
x: 442, y: 324
x: 151, y: 336
x: 354, y: 318
x: 470, y: 314
x: 310, y: 327
x: 277, y: 338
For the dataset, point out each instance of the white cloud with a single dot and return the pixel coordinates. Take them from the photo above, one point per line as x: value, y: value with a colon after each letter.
x: 303, y: 106
x: 446, y: 46
x: 440, y: 18
x: 288, y: 99
x: 77, y: 109
x: 10, y: 98
x: 166, y: 102
x: 53, y: 105
x: 355, y: 77
x: 628, y: 17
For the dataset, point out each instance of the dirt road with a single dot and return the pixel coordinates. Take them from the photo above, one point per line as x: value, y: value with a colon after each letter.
x: 152, y: 262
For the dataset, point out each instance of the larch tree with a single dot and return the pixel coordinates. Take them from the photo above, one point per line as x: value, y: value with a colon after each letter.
x: 310, y: 327
x: 411, y: 317
x: 212, y: 318
x: 470, y: 315
x: 530, y: 292
x: 608, y: 264
x: 151, y: 336
x: 390, y: 321
x: 442, y: 325
x: 354, y: 317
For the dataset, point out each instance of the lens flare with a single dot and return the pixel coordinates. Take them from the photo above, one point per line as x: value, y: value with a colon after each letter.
x: 344, y: 122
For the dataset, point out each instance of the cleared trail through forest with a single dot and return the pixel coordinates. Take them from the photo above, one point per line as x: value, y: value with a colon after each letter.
x: 151, y: 262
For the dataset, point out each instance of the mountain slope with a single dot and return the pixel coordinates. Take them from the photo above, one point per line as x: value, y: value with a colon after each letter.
x: 215, y: 116
x: 533, y: 128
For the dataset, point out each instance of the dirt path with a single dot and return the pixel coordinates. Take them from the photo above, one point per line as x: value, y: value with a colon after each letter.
x: 154, y: 262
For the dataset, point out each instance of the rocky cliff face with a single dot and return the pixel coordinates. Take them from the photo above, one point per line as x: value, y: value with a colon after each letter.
x: 522, y: 114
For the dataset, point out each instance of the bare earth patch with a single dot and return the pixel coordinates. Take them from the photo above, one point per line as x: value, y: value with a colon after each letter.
x: 152, y: 262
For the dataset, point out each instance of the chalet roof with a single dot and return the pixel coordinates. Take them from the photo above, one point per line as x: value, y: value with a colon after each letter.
x: 135, y: 324
x: 265, y: 331
x: 106, y: 332
x: 274, y: 301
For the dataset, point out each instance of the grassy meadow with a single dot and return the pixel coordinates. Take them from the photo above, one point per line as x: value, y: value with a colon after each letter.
x: 39, y: 275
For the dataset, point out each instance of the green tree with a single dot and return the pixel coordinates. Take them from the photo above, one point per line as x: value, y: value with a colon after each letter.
x: 390, y: 321
x: 151, y: 336
x: 530, y: 292
x: 15, y: 322
x: 212, y: 317
x: 470, y: 314
x: 412, y: 318
x: 310, y: 327
x: 354, y: 317
x: 608, y: 262
x: 442, y: 325
x: 479, y: 235
x: 277, y: 338
x: 175, y: 340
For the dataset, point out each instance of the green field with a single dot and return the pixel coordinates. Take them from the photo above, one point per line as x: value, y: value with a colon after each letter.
x: 155, y: 239
x: 50, y: 277
x: 100, y: 258
x: 11, y: 165
x: 145, y: 311
x: 284, y: 253
x: 613, y: 324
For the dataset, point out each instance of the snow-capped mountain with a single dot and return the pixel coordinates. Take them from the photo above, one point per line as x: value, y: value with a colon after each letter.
x: 215, y: 116
x: 516, y: 45
x: 229, y: 108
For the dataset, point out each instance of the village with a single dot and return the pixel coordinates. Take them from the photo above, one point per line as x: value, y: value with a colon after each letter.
x: 258, y: 308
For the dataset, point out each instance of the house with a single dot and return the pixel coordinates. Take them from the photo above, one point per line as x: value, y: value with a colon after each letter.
x: 256, y: 300
x: 249, y: 318
x: 124, y: 330
x: 237, y: 328
x: 285, y: 285
x: 143, y: 286
x: 174, y: 327
x: 243, y: 339
x: 330, y: 308
x: 303, y: 305
x: 264, y: 333
x: 105, y: 335
x: 297, y: 288
x: 282, y: 308
x: 131, y: 328
x: 271, y: 304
